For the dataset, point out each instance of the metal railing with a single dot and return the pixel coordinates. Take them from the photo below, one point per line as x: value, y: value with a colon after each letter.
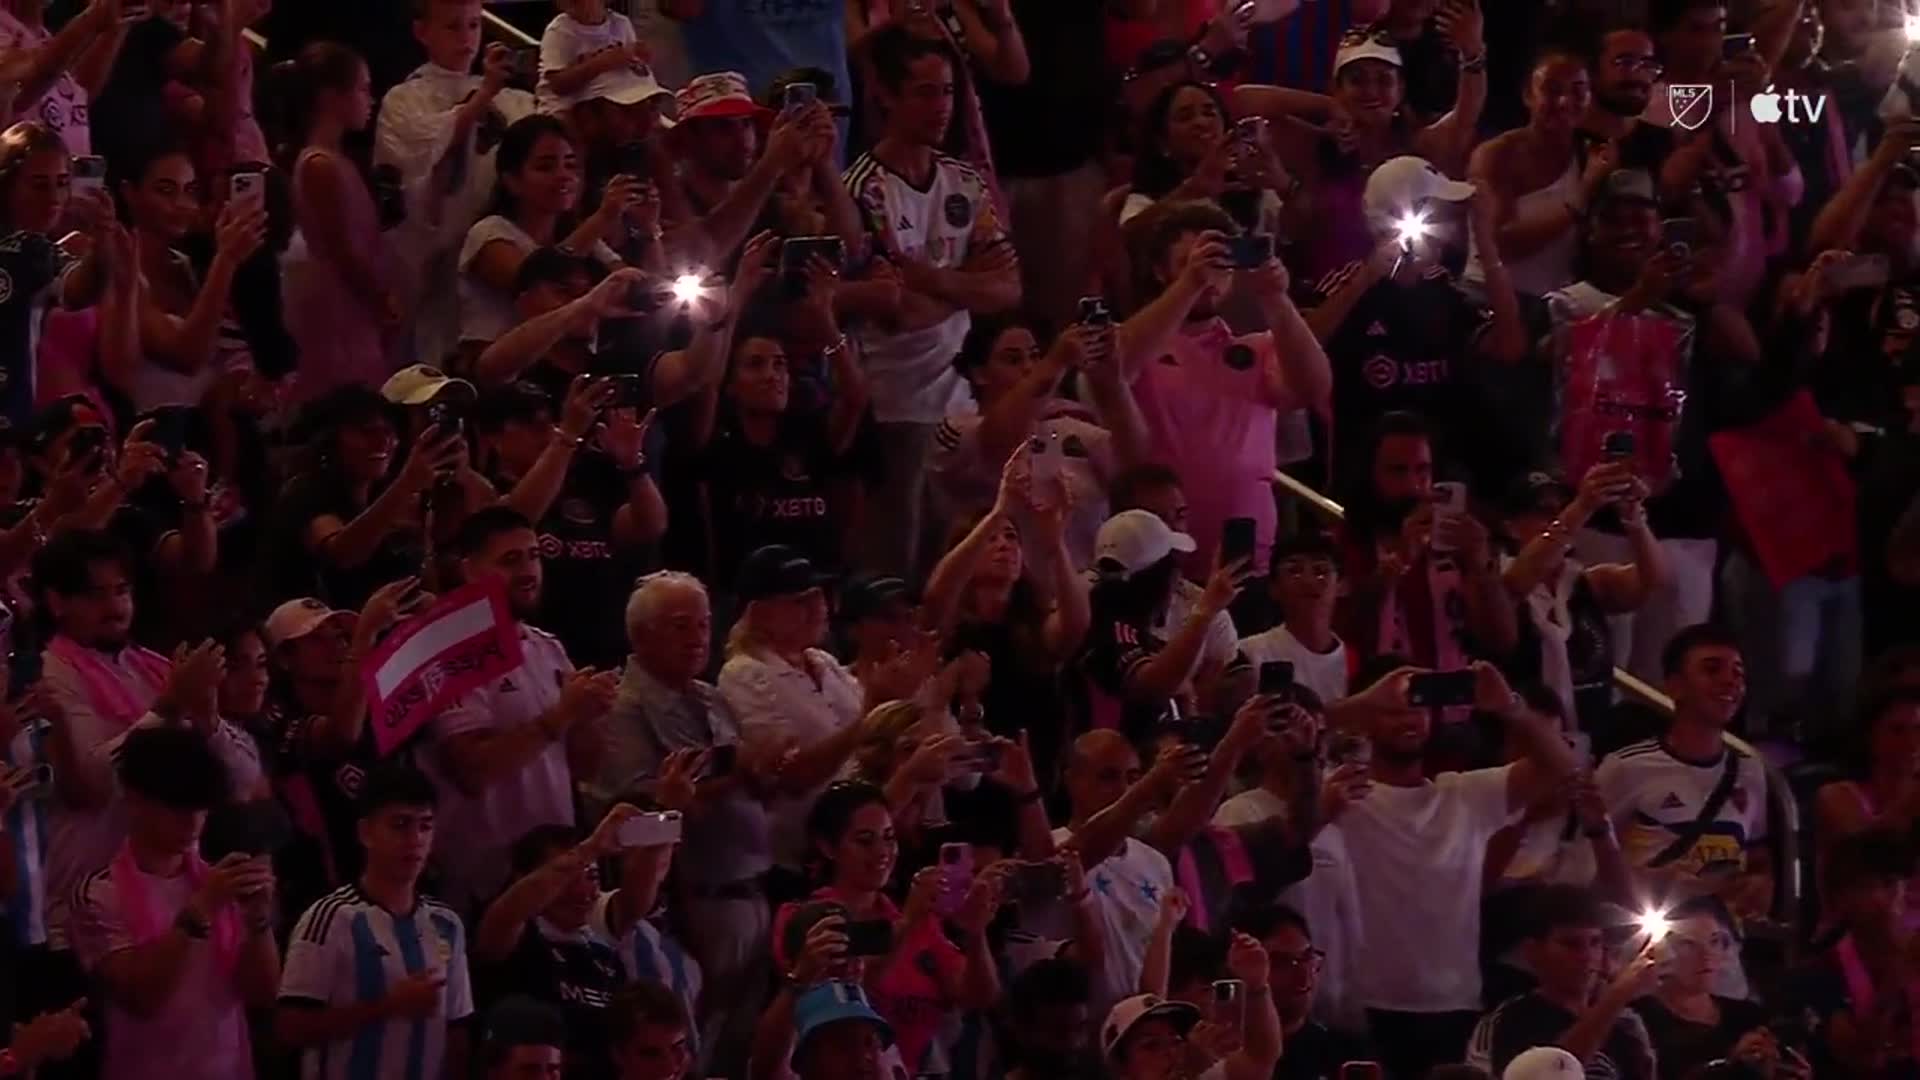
x: 1784, y: 815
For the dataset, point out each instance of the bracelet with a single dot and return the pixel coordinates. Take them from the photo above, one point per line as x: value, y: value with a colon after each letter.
x: 1027, y: 798
x: 574, y: 442
x: 1474, y: 65
x: 838, y: 348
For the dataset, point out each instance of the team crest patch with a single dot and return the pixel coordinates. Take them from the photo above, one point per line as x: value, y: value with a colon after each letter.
x: 6, y: 286
x: 959, y: 210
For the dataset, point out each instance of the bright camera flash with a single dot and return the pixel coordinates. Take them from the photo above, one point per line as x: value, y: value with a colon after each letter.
x: 1913, y: 29
x: 1655, y: 924
x: 688, y: 287
x: 1412, y: 228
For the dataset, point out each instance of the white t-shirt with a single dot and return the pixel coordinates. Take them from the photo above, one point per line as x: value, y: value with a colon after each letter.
x: 911, y: 371
x: 569, y: 41
x: 347, y: 949
x: 1328, y: 899
x: 1417, y: 855
x: 1324, y: 674
x: 1126, y: 888
x: 472, y: 847
x: 773, y: 700
x: 1222, y: 639
x: 487, y: 312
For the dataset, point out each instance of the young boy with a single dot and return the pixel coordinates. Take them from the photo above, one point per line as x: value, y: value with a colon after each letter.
x: 1305, y: 586
x: 582, y: 43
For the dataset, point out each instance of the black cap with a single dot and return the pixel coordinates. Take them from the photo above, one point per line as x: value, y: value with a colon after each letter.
x: 1530, y: 493
x: 522, y: 1021
x: 871, y: 594
x: 63, y: 415
x: 1315, y: 543
x: 519, y: 400
x: 1626, y: 185
x: 778, y: 570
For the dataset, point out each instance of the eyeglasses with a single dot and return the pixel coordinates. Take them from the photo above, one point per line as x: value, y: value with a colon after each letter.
x: 1644, y: 64
x: 1362, y: 36
x: 1300, y: 961
x: 1297, y: 569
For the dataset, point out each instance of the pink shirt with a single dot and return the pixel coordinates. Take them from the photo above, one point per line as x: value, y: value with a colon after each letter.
x: 63, y: 108
x: 1203, y: 406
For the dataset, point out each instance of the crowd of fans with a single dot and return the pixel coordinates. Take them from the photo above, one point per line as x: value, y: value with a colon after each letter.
x: 749, y: 541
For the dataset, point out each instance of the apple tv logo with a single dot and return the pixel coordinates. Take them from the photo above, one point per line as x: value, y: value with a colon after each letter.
x: 1772, y: 107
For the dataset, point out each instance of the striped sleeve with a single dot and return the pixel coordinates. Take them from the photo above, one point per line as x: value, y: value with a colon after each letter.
x: 306, y: 976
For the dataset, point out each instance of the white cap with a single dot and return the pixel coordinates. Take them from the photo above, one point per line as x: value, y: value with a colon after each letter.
x: 623, y: 86
x: 1371, y: 47
x: 296, y: 619
x: 1132, y: 1012
x: 1399, y: 184
x: 421, y: 383
x: 1544, y: 1063
x: 1133, y: 540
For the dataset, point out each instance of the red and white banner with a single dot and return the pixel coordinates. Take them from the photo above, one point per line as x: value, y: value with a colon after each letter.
x: 467, y: 639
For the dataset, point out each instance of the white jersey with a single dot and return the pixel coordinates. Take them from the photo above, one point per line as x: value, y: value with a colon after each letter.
x: 25, y: 823
x: 1654, y: 796
x: 1323, y: 673
x: 348, y: 949
x: 949, y: 221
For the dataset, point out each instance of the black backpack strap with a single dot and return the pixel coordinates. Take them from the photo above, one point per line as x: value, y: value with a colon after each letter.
x: 1709, y: 810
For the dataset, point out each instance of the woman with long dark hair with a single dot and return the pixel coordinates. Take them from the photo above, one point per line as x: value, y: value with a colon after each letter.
x: 341, y: 307
x: 535, y: 205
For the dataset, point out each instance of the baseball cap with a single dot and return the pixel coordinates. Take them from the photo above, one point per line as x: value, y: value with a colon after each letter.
x: 1530, y: 493
x: 830, y: 1003
x: 296, y: 619
x: 62, y: 416
x: 1626, y: 185
x: 717, y: 95
x: 421, y: 383
x: 1544, y: 1063
x: 778, y: 570
x: 872, y: 594
x: 624, y: 86
x: 523, y: 1021
x: 1134, y: 1011
x: 1133, y: 540
x: 1366, y: 46
x: 1400, y: 184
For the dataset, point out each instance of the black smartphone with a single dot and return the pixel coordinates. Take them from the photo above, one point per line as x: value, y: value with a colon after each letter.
x: 170, y: 426
x: 1095, y: 312
x: 721, y: 759
x: 87, y: 442
x: 1441, y: 689
x: 1679, y: 235
x: 1203, y: 733
x: 869, y: 937
x: 249, y: 828
x: 797, y: 252
x: 629, y: 391
x: 1248, y: 129
x: 526, y: 64
x: 1276, y: 677
x: 1238, y: 539
x: 633, y: 159
x: 1249, y: 251
x: 798, y: 96
x: 1037, y: 882
x: 1734, y: 45
x: 1616, y: 446
x: 447, y: 415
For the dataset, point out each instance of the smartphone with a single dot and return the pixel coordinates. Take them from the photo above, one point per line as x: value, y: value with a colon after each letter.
x: 1856, y: 272
x: 1734, y: 45
x: 629, y: 391
x: 633, y: 159
x: 868, y: 937
x: 1239, y: 538
x: 1044, y: 461
x: 798, y: 96
x: 1679, y: 235
x: 1362, y: 1070
x: 1201, y: 734
x: 1095, y: 312
x: 247, y: 189
x: 89, y: 174
x: 1449, y: 504
x: 721, y: 760
x: 526, y: 63
x: 1616, y: 446
x: 170, y: 426
x: 1249, y: 251
x: 1441, y: 689
x: 1037, y: 882
x: 87, y: 442
x: 1248, y: 129
x: 1348, y: 748
x: 1276, y: 677
x: 254, y: 828
x: 956, y: 877
x: 1230, y: 1003
x: 650, y: 829
x: 797, y: 252
x: 446, y: 415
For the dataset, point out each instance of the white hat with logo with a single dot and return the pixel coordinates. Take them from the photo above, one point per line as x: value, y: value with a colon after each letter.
x: 1134, y: 540
x: 296, y: 619
x: 1399, y: 185
x: 1544, y: 1063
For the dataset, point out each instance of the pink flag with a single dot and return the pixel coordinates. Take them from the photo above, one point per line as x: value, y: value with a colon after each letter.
x: 464, y: 641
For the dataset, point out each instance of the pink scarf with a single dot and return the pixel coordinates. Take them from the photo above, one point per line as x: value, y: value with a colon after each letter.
x: 106, y: 689
x: 145, y: 922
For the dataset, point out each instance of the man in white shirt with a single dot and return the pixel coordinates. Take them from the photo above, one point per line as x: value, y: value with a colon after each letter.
x: 1306, y: 586
x: 933, y: 218
x: 1418, y: 847
x: 1690, y: 810
x: 440, y: 128
x: 500, y: 756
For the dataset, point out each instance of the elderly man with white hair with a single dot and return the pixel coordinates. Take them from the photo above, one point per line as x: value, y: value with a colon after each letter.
x: 664, y: 707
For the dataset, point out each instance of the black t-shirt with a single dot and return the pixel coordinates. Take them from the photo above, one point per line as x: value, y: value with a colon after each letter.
x: 782, y: 493
x: 1890, y: 486
x: 321, y: 795
x: 1527, y: 1021
x: 1430, y: 72
x: 1683, y: 1045
x: 292, y: 571
x: 1024, y: 693
x: 588, y: 574
x: 1872, y: 331
x: 578, y: 976
x: 29, y: 263
x: 1316, y: 1053
x: 1053, y: 125
x: 1409, y: 348
x: 1589, y: 648
x: 1114, y: 649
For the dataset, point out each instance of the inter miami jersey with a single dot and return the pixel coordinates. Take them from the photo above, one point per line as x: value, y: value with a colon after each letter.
x: 29, y: 264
